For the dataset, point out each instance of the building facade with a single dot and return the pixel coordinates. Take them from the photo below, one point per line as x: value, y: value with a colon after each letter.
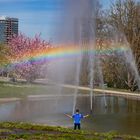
x: 8, y: 28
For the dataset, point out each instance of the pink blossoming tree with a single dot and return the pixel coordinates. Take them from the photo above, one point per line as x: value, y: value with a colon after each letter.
x: 23, y: 53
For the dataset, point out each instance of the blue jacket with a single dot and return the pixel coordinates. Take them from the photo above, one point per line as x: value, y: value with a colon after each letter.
x: 77, y: 118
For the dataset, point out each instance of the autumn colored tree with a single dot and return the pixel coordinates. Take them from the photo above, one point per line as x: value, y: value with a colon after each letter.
x: 4, y: 61
x: 3, y: 54
x: 23, y: 53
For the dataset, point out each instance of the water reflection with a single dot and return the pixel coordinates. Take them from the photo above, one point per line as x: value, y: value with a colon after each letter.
x: 6, y: 110
x: 121, y: 114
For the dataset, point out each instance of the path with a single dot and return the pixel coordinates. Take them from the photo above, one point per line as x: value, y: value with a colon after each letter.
x: 109, y: 92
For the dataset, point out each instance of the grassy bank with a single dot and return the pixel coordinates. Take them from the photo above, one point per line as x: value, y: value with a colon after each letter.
x: 24, y: 131
x: 8, y: 89
x: 17, y: 90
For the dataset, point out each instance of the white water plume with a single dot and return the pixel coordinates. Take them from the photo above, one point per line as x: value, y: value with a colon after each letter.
x: 78, y: 28
x: 132, y: 65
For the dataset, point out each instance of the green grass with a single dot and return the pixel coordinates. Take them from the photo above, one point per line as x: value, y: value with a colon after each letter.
x: 21, y: 90
x: 26, y: 131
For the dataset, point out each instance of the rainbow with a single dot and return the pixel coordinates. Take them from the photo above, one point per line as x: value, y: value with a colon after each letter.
x: 56, y: 53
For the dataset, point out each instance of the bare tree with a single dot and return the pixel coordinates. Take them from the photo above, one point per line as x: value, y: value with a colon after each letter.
x: 125, y: 18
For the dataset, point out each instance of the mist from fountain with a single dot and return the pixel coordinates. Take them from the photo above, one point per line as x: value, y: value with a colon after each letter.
x: 129, y: 58
x: 78, y: 29
x: 100, y: 75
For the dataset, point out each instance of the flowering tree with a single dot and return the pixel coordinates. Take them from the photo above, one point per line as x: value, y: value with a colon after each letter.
x: 24, y: 52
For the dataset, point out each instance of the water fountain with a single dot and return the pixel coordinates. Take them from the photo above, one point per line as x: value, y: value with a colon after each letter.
x: 127, y: 57
x: 79, y: 16
x: 130, y: 61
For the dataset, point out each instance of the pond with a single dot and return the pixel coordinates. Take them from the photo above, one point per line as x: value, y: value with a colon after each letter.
x: 121, y: 114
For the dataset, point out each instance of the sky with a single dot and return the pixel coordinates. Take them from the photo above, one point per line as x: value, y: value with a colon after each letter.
x: 37, y: 16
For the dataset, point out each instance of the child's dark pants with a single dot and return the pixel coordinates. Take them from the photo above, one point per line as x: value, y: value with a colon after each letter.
x: 77, y: 125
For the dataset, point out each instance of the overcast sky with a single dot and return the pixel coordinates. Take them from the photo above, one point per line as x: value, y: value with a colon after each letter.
x: 36, y: 16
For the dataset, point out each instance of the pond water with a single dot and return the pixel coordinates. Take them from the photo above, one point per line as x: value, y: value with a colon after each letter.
x: 121, y: 114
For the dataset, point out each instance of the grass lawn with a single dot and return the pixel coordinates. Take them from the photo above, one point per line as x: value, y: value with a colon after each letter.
x: 21, y: 90
x: 25, y: 131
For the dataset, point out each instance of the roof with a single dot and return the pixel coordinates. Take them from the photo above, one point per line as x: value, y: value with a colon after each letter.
x: 7, y: 18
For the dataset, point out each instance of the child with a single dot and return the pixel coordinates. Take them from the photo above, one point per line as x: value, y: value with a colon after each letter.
x: 77, y: 119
